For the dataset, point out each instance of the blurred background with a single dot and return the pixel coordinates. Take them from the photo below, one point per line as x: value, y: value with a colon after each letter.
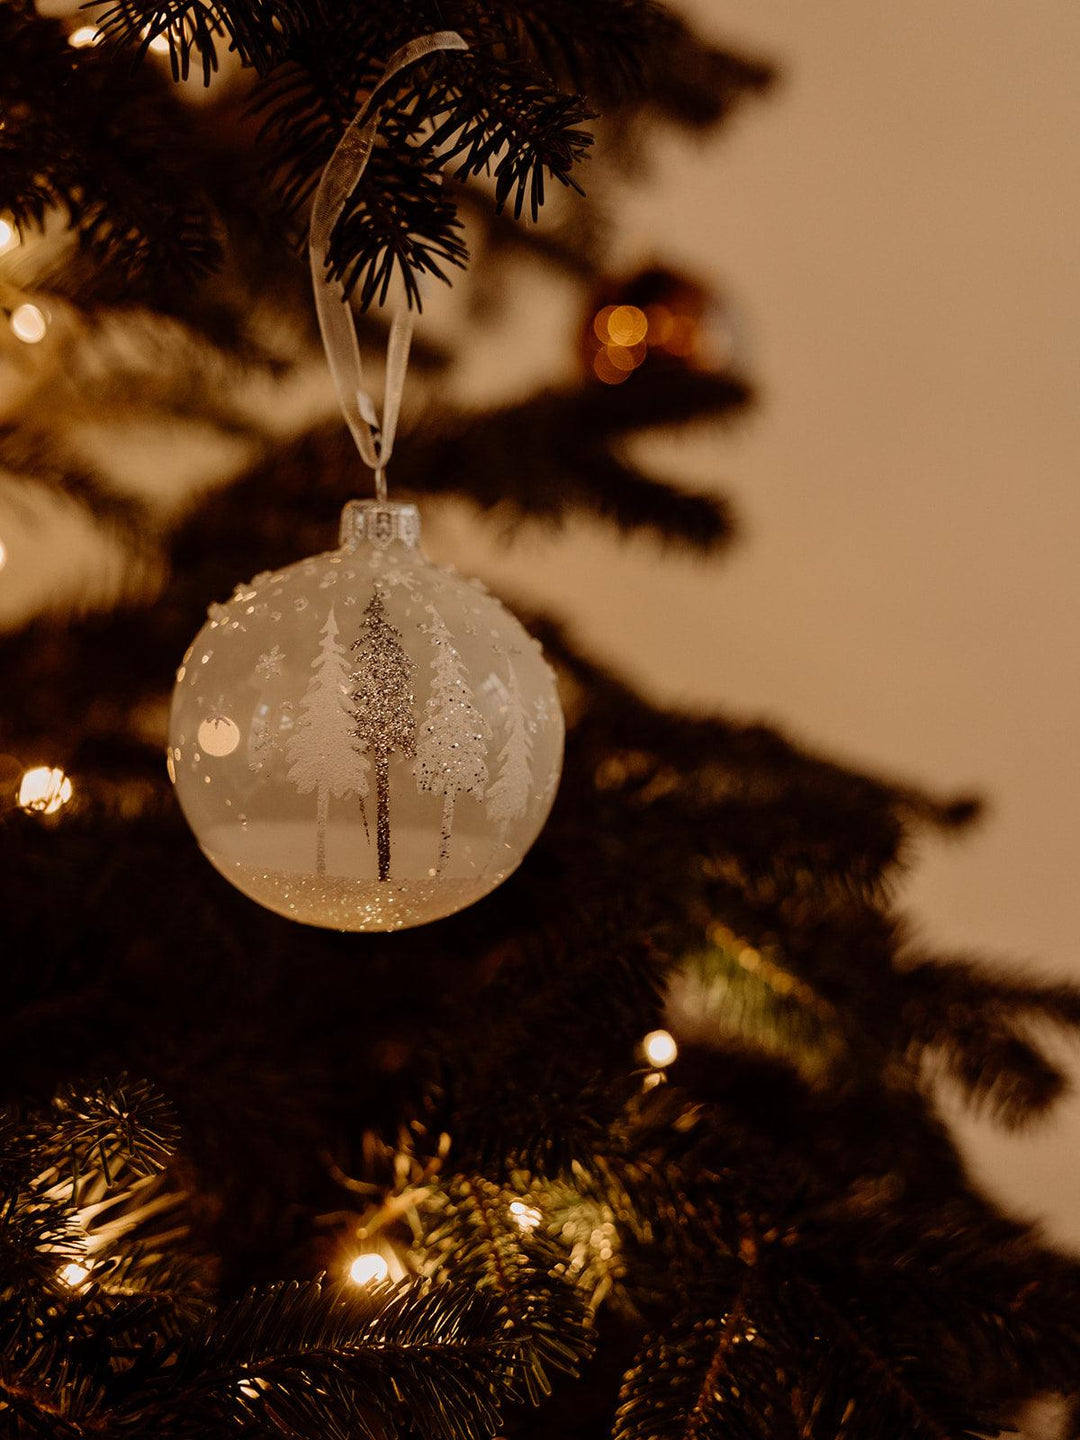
x: 892, y: 237
x: 895, y: 229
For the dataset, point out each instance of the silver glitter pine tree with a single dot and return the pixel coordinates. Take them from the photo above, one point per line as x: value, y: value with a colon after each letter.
x: 385, y: 717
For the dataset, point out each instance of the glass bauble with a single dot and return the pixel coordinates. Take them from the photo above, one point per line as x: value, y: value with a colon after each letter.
x: 363, y: 740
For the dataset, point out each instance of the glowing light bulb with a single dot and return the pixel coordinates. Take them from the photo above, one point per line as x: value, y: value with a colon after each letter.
x: 74, y: 1274
x: 82, y: 37
x: 368, y: 1270
x: 9, y: 236
x: 28, y: 323
x: 525, y: 1217
x: 660, y: 1048
x: 43, y: 789
x: 159, y: 44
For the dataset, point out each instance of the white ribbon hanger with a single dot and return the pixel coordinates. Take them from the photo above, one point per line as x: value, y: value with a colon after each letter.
x: 374, y: 440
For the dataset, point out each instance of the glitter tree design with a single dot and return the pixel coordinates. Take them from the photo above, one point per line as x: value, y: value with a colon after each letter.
x: 508, y: 797
x: 453, y: 736
x: 321, y: 751
x: 383, y: 708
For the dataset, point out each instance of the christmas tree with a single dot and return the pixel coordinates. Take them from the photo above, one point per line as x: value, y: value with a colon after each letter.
x: 509, y: 792
x: 383, y: 699
x: 451, y: 745
x: 646, y: 1143
x: 321, y: 750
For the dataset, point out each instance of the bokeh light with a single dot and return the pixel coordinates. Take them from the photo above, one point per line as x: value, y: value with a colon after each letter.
x: 525, y: 1217
x: 28, y: 323
x: 44, y: 789
x: 626, y: 325
x: 660, y: 1048
x: 368, y: 1269
x: 9, y: 236
x: 84, y: 36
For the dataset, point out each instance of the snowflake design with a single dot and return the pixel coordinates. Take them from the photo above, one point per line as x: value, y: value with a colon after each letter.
x: 393, y: 576
x: 268, y: 665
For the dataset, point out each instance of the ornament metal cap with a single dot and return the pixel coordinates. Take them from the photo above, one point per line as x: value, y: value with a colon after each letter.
x: 380, y: 523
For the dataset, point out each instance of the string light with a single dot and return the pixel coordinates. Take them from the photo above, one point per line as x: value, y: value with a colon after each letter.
x: 28, y: 323
x: 525, y: 1217
x: 621, y: 330
x: 82, y: 37
x: 368, y: 1269
x: 9, y: 236
x: 660, y: 1048
x: 43, y: 790
x: 74, y: 1274
x: 626, y: 325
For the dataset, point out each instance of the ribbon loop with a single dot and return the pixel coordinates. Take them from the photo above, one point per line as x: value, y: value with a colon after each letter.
x: 346, y: 165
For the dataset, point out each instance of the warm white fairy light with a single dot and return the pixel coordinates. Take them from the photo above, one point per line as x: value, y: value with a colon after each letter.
x: 525, y: 1217
x: 84, y: 36
x: 368, y: 1269
x: 660, y: 1048
x: 9, y: 236
x: 44, y: 789
x: 28, y: 323
x: 74, y: 1274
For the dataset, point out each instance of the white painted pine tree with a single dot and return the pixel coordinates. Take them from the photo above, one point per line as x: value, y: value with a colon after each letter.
x: 508, y: 797
x: 321, y: 750
x: 452, y: 740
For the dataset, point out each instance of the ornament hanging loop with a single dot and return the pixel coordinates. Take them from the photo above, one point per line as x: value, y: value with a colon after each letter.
x: 374, y: 438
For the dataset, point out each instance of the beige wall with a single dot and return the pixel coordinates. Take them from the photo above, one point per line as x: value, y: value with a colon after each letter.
x: 899, y: 223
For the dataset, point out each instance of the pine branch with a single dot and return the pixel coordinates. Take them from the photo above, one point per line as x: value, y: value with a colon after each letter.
x: 257, y: 32
x: 713, y: 1378
x: 601, y: 50
x: 533, y: 459
x: 123, y: 1126
x: 732, y: 993
x: 693, y: 84
x: 116, y: 158
x: 477, y: 1239
x: 507, y: 121
x: 310, y: 1360
x: 981, y: 1029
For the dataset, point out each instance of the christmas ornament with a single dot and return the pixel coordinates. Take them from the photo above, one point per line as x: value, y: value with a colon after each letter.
x: 363, y: 740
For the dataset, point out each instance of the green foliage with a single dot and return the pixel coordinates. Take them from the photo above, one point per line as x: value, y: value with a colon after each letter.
x: 477, y: 1239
